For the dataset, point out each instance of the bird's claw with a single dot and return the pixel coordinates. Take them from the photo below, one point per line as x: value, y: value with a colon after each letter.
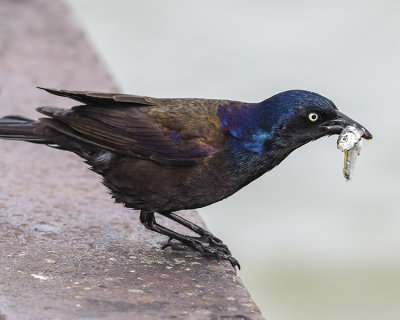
x: 215, y: 242
x: 219, y: 255
x: 219, y: 251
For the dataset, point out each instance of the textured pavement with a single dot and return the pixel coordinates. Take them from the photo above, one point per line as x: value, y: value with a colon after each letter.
x: 67, y: 251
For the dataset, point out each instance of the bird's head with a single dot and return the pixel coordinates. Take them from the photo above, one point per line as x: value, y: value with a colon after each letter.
x: 296, y: 117
x: 283, y: 122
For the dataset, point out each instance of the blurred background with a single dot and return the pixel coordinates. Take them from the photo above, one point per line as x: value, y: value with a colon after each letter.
x: 311, y: 245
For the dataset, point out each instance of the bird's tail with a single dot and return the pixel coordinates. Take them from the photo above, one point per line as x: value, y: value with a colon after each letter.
x: 23, y: 129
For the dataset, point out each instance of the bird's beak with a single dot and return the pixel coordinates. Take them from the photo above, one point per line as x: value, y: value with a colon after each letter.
x: 337, y: 125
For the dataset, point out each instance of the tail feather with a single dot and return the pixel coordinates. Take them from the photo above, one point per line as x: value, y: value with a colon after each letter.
x: 16, y: 127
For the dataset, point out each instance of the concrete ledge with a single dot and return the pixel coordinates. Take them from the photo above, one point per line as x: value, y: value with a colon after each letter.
x: 67, y: 251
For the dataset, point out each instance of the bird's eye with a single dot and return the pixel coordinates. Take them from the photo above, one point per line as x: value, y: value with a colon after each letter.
x: 313, y: 117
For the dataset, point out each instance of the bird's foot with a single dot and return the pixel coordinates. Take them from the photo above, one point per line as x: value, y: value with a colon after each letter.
x: 205, y: 236
x: 217, y: 252
x: 206, y: 244
x: 208, y: 237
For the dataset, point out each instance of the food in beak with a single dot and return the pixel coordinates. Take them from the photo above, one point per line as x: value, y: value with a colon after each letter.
x: 350, y: 142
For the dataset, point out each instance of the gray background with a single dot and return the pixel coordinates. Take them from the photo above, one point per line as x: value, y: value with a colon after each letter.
x: 311, y: 245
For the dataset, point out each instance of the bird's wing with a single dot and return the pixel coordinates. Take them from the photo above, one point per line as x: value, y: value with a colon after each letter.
x: 168, y: 131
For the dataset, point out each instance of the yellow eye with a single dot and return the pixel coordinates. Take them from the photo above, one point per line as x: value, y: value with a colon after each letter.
x: 313, y: 117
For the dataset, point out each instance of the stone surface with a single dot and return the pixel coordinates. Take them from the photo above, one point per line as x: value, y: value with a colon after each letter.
x: 66, y: 250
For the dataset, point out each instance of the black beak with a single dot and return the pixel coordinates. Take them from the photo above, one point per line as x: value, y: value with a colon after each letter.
x: 337, y: 125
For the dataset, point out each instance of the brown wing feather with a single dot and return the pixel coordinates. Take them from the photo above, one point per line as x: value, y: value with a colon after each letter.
x: 172, y: 131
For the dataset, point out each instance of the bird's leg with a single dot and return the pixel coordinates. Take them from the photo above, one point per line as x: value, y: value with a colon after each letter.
x: 148, y: 220
x: 205, y: 235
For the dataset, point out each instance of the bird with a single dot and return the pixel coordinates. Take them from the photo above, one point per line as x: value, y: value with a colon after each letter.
x: 164, y: 155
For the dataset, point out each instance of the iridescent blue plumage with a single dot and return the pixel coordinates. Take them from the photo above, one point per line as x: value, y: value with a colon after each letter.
x: 255, y: 124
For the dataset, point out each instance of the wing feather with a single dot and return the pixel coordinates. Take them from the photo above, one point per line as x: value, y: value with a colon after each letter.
x: 168, y: 131
x: 91, y: 97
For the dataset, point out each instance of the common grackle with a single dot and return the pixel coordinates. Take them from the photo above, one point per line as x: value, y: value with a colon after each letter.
x: 165, y: 155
